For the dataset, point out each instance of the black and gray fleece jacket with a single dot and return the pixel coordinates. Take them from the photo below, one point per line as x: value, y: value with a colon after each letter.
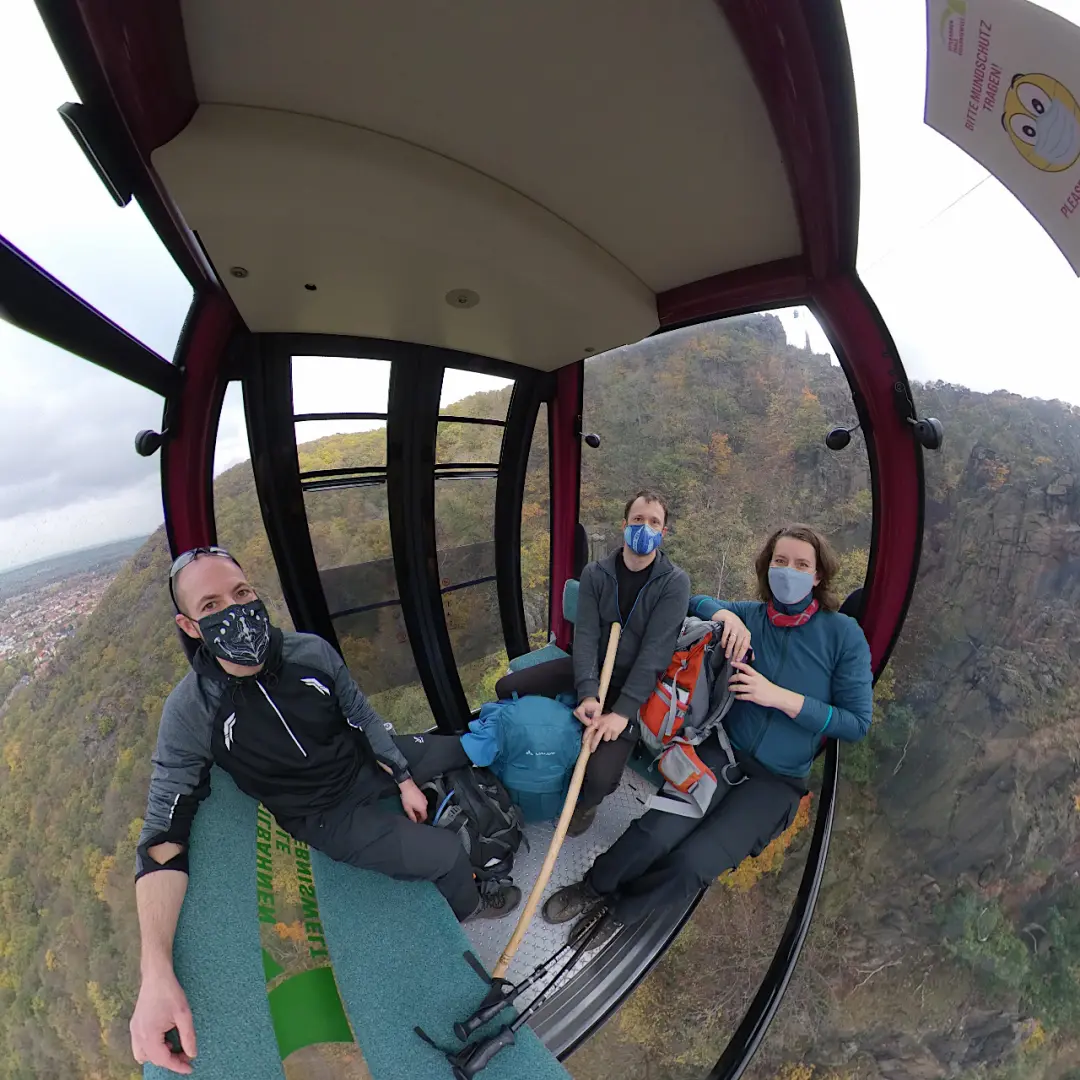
x: 295, y: 737
x: 648, y: 636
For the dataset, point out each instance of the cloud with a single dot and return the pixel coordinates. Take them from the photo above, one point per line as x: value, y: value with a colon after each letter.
x: 67, y: 428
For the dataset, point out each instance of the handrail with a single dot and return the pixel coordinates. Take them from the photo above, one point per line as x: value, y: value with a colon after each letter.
x: 38, y: 303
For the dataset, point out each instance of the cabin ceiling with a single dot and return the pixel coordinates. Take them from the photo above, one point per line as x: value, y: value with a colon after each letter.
x: 564, y: 161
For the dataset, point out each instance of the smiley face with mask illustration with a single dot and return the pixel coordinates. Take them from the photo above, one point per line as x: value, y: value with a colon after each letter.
x: 1042, y: 118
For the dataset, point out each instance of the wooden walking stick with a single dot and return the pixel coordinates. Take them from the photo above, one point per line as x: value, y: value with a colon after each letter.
x: 564, y: 819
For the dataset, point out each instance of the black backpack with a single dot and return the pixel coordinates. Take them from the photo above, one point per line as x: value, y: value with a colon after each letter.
x: 474, y: 804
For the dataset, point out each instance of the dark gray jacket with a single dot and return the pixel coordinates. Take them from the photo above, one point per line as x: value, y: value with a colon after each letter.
x: 648, y: 636
x: 296, y: 737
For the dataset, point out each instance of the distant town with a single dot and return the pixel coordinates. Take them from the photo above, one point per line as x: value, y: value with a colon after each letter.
x: 43, y: 603
x: 32, y: 624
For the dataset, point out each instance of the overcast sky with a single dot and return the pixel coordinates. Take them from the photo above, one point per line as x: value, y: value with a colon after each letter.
x: 972, y: 289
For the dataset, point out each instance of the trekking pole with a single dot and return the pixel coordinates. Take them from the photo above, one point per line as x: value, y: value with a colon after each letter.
x: 470, y: 1059
x: 502, y: 993
x: 564, y: 820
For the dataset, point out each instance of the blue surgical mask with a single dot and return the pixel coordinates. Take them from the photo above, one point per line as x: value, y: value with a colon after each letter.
x: 788, y: 585
x: 642, y: 539
x: 1058, y: 139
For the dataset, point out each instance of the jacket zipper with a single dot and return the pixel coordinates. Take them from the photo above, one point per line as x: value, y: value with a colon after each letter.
x: 780, y: 671
x: 280, y: 717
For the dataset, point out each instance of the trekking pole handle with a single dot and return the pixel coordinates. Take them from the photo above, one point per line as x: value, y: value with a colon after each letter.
x: 480, y: 1054
x: 564, y: 820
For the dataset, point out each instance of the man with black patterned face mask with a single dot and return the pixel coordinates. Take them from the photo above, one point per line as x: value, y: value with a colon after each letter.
x: 281, y: 714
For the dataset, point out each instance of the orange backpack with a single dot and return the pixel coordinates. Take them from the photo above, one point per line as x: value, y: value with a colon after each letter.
x: 690, y: 701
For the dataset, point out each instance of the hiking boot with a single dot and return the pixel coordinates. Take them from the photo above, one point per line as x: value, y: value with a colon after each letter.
x: 497, y: 900
x: 571, y: 901
x: 607, y: 929
x: 582, y: 819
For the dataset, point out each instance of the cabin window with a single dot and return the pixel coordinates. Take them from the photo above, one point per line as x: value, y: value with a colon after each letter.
x: 237, y: 516
x: 339, y: 406
x: 472, y: 418
x: 464, y: 517
x: 334, y: 398
x: 56, y: 210
x: 88, y: 654
x: 728, y: 421
x: 536, y: 535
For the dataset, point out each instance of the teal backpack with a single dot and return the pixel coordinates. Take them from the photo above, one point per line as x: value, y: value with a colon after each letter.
x: 537, y: 741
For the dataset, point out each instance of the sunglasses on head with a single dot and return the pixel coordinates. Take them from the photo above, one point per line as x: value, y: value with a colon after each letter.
x: 190, y: 556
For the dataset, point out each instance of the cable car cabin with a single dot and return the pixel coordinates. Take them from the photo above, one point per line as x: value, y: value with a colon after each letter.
x: 496, y: 188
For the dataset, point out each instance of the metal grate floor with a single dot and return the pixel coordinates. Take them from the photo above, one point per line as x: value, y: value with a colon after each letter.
x: 575, y: 857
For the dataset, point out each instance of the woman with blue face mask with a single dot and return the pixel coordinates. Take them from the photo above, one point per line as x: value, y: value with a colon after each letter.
x: 803, y: 653
x: 801, y: 674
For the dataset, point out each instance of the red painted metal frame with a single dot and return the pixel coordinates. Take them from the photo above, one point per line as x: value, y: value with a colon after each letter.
x: 128, y: 62
x: 187, y: 456
x: 564, y: 440
x: 153, y: 86
x: 767, y: 285
x: 790, y: 68
x: 882, y: 398
x: 800, y: 64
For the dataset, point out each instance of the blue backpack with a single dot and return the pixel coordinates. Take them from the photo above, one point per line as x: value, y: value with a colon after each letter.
x: 531, y: 744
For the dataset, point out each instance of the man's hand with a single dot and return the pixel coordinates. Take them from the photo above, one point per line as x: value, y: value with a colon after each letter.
x: 605, y: 728
x: 735, y: 640
x: 412, y: 799
x: 588, y: 711
x: 161, y: 1007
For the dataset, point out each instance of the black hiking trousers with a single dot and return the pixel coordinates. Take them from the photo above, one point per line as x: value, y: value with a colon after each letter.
x: 360, y: 832
x: 663, y: 858
x: 554, y: 677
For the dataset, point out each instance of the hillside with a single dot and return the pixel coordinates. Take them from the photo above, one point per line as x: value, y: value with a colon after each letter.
x: 948, y: 934
x: 104, y: 558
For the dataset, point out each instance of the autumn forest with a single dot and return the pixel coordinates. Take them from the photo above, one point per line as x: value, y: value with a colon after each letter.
x: 947, y: 937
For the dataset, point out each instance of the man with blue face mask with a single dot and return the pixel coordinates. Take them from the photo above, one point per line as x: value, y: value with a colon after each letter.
x: 638, y: 586
x: 281, y: 714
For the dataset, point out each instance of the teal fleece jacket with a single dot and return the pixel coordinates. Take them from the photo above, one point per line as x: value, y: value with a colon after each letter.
x: 826, y: 660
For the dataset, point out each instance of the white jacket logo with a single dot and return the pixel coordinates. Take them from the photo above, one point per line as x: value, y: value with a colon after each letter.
x: 230, y: 723
x: 317, y: 686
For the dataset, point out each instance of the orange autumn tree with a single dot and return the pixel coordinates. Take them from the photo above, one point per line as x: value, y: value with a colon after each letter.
x: 747, y: 874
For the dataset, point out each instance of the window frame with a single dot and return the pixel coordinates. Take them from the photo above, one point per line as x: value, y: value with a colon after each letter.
x: 413, y: 417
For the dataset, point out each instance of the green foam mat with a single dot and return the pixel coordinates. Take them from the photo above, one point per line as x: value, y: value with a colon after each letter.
x: 217, y: 954
x: 398, y: 953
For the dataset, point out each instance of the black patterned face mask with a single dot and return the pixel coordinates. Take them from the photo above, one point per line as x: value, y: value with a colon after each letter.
x: 239, y: 634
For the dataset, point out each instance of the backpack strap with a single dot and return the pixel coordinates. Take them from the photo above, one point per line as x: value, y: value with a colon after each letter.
x: 732, y: 767
x: 689, y: 783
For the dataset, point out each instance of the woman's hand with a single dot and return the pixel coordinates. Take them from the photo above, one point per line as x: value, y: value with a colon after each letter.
x: 750, y: 685
x: 735, y: 640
